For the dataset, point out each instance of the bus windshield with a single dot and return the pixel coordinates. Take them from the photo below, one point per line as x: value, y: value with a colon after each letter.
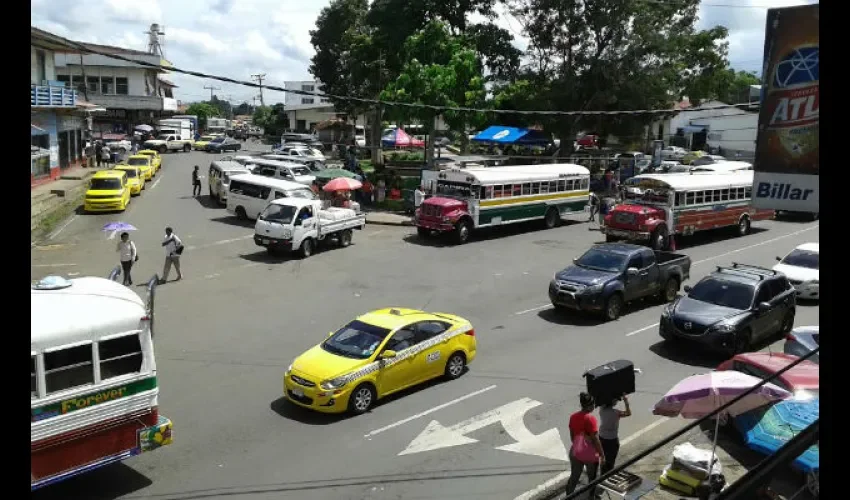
x: 653, y: 196
x: 454, y: 189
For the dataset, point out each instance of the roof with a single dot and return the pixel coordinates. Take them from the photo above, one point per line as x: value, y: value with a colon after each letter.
x: 295, y: 202
x: 90, y: 308
x: 107, y: 174
x: 692, y: 181
x: 386, y: 318
x: 809, y: 247
x: 124, y: 166
x: 511, y: 135
x: 144, y: 157
x: 723, y: 166
x: 274, y: 163
x: 229, y: 166
x: 517, y: 173
x: 268, y: 182
x: 805, y: 375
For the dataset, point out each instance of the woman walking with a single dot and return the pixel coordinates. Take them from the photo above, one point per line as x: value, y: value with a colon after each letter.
x: 609, y: 431
x: 127, y: 254
x: 586, y: 450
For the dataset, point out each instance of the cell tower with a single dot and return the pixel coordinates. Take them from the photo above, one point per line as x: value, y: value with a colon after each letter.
x: 154, y: 41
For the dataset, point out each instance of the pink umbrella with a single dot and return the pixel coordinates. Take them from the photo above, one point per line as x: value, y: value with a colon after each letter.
x: 342, y: 184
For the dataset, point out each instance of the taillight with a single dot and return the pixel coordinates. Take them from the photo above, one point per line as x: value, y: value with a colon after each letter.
x: 471, y: 332
x: 791, y: 337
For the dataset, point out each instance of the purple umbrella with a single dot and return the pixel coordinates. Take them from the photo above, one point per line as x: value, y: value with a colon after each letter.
x: 118, y: 226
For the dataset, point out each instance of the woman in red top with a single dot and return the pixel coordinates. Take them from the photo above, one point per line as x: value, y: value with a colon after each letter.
x: 583, y: 425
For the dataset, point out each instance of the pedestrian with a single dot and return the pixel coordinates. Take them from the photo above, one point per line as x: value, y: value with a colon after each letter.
x: 128, y: 255
x: 173, y: 251
x: 594, y: 206
x: 196, y: 181
x: 106, y: 154
x: 586, y: 451
x: 98, y: 153
x: 609, y: 431
x: 418, y: 197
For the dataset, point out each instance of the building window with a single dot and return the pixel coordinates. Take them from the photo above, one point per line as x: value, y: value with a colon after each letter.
x: 308, y: 88
x: 41, y: 67
x: 68, y: 368
x: 92, y: 83
x: 107, y: 85
x: 121, y: 86
x: 306, y: 100
x: 65, y: 79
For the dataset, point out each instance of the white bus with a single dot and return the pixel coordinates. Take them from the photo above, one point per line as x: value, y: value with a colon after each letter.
x: 93, y: 383
x: 471, y: 198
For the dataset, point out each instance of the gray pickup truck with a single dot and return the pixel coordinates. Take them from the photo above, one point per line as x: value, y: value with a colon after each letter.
x: 610, y: 275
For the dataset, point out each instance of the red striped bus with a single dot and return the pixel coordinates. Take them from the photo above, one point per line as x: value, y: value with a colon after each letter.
x: 658, y: 206
x: 93, y: 385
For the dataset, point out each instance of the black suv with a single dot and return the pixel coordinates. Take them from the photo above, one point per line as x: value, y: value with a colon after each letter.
x: 732, y: 308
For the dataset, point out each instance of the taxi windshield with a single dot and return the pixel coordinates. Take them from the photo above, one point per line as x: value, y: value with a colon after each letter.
x: 356, y: 340
x: 138, y: 162
x: 105, y: 184
x: 131, y: 172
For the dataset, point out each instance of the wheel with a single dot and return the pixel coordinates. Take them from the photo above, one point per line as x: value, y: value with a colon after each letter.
x: 241, y: 214
x: 659, y: 240
x: 613, y: 307
x: 306, y: 248
x: 671, y: 288
x: 162, y: 150
x: 345, y: 238
x: 815, y: 216
x: 271, y: 251
x: 362, y: 398
x: 610, y: 239
x: 455, y: 365
x: 742, y: 342
x: 423, y: 232
x: 551, y: 219
x: 744, y: 226
x: 787, y: 323
x: 462, y: 232
x: 221, y: 201
x: 187, y: 148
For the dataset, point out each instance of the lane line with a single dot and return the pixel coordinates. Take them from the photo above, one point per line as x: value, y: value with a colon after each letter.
x: 642, y: 329
x: 56, y: 232
x: 52, y: 265
x: 428, y: 412
x: 156, y: 182
x: 709, y: 259
x: 563, y: 476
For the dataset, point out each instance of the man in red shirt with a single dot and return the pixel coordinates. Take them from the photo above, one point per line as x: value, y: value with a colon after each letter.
x: 586, y: 450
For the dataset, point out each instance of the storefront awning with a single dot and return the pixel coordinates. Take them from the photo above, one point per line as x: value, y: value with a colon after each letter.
x: 511, y: 135
x: 36, y: 130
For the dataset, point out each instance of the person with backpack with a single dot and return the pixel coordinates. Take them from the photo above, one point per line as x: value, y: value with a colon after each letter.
x: 173, y: 251
x: 586, y: 451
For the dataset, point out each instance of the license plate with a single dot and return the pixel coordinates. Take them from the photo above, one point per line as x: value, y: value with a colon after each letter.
x: 298, y: 392
x: 265, y: 242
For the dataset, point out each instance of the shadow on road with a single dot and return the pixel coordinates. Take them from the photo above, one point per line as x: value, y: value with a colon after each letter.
x: 679, y: 352
x: 234, y: 221
x: 204, y: 200
x: 484, y: 234
x: 264, y: 257
x: 704, y: 237
x: 591, y: 318
x: 107, y: 483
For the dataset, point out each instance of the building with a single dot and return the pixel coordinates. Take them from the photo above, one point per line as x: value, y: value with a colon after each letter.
x: 292, y: 99
x: 57, y: 121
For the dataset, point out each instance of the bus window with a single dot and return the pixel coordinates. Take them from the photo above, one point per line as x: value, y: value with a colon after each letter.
x: 517, y: 189
x: 33, y: 379
x: 748, y: 193
x: 553, y: 187
x: 709, y: 196
x: 690, y: 198
x: 680, y: 199
x: 700, y: 197
x: 724, y: 195
x: 535, y: 188
x: 585, y: 183
x: 69, y: 367
x: 526, y: 188
x: 497, y: 191
x: 562, y: 185
x: 717, y: 195
x: 544, y: 187
x: 120, y: 356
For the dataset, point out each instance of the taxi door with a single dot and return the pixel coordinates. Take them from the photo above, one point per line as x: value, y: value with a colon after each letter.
x: 397, y: 373
x: 431, y: 362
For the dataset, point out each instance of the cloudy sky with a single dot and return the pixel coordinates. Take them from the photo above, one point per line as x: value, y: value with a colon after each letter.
x: 237, y: 39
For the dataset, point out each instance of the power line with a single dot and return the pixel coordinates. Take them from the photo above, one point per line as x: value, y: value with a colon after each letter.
x: 259, y: 77
x: 212, y: 89
x: 376, y: 102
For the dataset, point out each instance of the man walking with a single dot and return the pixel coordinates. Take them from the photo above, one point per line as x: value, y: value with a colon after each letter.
x: 173, y: 250
x: 127, y: 255
x: 196, y: 181
x: 98, y: 153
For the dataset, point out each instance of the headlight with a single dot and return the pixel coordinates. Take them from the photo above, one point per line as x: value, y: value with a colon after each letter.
x: 287, y: 234
x: 594, y: 288
x: 723, y: 328
x: 333, y: 384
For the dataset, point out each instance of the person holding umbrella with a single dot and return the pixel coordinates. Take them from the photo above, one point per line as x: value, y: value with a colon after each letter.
x: 128, y: 255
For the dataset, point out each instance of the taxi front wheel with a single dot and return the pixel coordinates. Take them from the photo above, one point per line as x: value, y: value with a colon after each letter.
x: 362, y: 398
x: 455, y: 366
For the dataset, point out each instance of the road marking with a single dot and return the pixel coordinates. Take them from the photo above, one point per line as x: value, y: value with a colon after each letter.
x: 429, y: 411
x: 511, y: 416
x: 52, y: 265
x: 56, y: 232
x: 702, y: 261
x: 563, y: 476
x: 642, y: 329
x: 211, y: 276
x: 156, y: 182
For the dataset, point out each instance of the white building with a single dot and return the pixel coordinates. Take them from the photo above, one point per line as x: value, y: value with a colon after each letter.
x: 728, y: 131
x: 292, y: 99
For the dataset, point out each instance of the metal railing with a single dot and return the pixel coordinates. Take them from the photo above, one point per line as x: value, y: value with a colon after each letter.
x: 52, y: 97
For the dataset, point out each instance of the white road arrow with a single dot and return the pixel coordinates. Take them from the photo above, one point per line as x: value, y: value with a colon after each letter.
x: 548, y: 444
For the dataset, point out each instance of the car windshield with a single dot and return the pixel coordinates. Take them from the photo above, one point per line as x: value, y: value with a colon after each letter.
x: 162, y: 137
x: 300, y: 170
x: 723, y: 293
x: 279, y: 213
x: 131, y: 172
x: 105, y: 184
x: 802, y: 258
x: 602, y: 261
x: 137, y: 162
x: 356, y: 340
x: 306, y: 194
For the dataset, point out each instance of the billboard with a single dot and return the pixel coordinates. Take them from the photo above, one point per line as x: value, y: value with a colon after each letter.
x: 787, y: 159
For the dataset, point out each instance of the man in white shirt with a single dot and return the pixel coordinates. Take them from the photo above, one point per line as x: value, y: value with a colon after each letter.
x: 127, y: 255
x: 418, y: 197
x: 173, y: 250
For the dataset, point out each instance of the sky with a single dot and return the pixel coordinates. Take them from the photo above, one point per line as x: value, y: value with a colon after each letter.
x: 238, y: 39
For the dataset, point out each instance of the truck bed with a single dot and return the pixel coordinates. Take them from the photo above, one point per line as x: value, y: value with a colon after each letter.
x: 327, y: 227
x: 673, y: 263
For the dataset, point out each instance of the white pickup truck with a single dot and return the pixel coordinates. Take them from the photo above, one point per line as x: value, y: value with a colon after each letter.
x: 169, y: 142
x: 300, y: 225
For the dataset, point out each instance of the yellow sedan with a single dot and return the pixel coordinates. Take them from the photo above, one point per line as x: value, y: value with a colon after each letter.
x: 134, y: 178
x: 144, y: 163
x: 156, y: 160
x: 378, y: 354
x: 201, y: 144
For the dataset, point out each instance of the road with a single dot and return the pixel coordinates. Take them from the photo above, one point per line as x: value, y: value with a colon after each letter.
x: 226, y: 333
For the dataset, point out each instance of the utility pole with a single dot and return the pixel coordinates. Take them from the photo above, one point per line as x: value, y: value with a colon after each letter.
x: 259, y: 78
x: 212, y: 89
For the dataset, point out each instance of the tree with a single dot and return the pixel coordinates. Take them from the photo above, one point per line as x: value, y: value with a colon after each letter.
x: 263, y: 117
x: 735, y: 87
x: 203, y: 111
x: 243, y: 109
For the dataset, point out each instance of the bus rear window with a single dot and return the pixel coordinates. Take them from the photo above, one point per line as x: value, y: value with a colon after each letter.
x: 33, y: 379
x: 68, y: 368
x: 120, y: 356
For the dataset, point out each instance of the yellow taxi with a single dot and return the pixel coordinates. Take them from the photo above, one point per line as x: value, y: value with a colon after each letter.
x: 134, y: 178
x: 377, y: 354
x: 156, y: 160
x: 144, y: 163
x: 201, y: 144
x: 691, y: 156
x: 108, y: 191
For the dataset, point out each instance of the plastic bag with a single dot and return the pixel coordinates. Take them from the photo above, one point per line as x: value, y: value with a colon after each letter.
x: 694, y: 458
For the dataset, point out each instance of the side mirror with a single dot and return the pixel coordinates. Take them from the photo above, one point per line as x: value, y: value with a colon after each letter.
x: 575, y: 260
x: 388, y: 354
x: 779, y: 259
x: 763, y: 307
x: 632, y: 271
x: 687, y: 288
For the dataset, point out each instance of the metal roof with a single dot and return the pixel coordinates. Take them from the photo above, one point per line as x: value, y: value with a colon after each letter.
x: 518, y: 173
x: 268, y: 182
x: 700, y: 180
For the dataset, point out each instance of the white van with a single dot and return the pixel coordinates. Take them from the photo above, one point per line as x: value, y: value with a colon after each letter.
x: 288, y: 171
x: 724, y: 167
x: 360, y: 136
x: 314, y: 165
x: 249, y: 194
x: 219, y: 178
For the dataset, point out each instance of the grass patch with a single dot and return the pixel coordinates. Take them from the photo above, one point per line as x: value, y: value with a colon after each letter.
x: 53, y: 218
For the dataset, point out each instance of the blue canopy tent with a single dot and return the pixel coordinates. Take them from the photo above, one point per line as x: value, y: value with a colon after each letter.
x: 499, y: 134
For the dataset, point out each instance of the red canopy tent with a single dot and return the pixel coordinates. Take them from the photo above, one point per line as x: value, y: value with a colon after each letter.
x: 398, y: 138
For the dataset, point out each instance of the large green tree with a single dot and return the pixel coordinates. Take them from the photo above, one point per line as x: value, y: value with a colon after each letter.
x: 203, y: 111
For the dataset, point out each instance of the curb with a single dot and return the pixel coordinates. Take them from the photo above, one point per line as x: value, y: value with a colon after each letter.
x: 388, y: 223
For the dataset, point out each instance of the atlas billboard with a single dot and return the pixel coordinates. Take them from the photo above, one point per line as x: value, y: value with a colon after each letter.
x: 787, y: 159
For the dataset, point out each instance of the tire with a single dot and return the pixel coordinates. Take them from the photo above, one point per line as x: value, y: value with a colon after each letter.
x: 455, y: 366
x: 742, y: 342
x: 362, y: 399
x: 221, y: 201
x: 271, y: 251
x: 744, y: 226
x: 306, y: 249
x: 659, y: 238
x: 551, y: 218
x: 815, y: 216
x: 162, y: 150
x: 462, y: 232
x: 423, y: 232
x: 241, y: 214
x: 345, y: 238
x: 187, y: 148
x: 787, y: 324
x: 614, y: 307
x: 670, y: 290
x: 611, y: 239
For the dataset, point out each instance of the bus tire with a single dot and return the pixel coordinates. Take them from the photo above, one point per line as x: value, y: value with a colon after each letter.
x: 552, y: 218
x: 462, y: 232
x: 744, y: 225
x: 659, y: 238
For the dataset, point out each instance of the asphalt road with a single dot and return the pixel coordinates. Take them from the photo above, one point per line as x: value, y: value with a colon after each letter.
x: 226, y: 333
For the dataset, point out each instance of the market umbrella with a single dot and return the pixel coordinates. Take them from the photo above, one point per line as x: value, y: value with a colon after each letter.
x: 767, y: 429
x: 333, y: 173
x: 342, y: 184
x: 144, y: 128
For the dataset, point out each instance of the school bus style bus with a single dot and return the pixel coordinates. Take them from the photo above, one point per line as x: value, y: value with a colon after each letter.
x: 472, y: 198
x: 93, y: 385
x: 658, y: 206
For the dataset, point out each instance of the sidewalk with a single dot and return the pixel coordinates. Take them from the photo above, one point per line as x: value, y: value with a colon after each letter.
x: 52, y: 202
x: 388, y: 218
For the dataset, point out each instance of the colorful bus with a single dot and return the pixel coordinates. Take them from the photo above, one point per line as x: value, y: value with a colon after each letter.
x: 658, y: 206
x: 93, y: 385
x: 472, y: 198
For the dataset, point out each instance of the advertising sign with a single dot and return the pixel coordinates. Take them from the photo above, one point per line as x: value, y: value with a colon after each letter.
x: 787, y: 159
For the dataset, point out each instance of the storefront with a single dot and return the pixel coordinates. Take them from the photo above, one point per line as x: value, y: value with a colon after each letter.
x: 45, y: 137
x: 70, y: 139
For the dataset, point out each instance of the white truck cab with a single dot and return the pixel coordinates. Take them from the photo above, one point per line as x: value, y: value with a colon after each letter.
x: 300, y: 225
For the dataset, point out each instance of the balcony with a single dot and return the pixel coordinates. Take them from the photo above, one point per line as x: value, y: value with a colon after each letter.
x: 133, y: 102
x: 47, y: 96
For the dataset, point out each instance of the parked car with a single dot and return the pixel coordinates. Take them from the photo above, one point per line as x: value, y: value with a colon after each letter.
x: 608, y: 276
x: 802, y: 267
x: 707, y: 160
x: 803, y: 340
x: 675, y: 153
x: 732, y: 308
x: 803, y: 379
x: 222, y: 144
x: 122, y: 146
